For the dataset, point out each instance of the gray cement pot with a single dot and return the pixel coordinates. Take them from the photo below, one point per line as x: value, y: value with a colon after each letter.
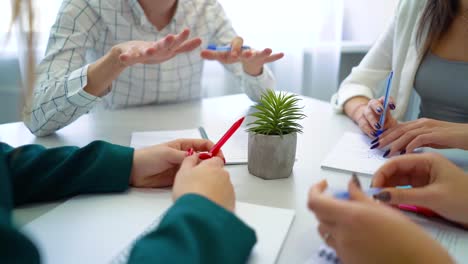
x: 272, y: 157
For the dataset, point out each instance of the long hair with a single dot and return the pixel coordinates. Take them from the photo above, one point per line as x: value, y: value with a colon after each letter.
x: 23, y: 17
x: 436, y: 19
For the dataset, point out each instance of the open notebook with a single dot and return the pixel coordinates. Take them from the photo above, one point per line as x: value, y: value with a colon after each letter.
x: 235, y: 150
x: 102, y: 228
x: 352, y: 153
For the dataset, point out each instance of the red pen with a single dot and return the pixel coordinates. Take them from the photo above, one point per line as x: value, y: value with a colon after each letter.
x: 417, y: 209
x: 217, y: 147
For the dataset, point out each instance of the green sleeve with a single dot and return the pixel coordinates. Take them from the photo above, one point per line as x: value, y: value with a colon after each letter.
x: 39, y: 174
x: 196, y: 230
x: 32, y: 174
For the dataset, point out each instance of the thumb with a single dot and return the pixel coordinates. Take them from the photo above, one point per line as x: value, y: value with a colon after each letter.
x: 189, y: 162
x: 413, y: 196
x: 355, y: 191
x: 176, y: 156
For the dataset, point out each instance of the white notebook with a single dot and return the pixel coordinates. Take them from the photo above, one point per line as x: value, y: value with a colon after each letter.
x: 235, y: 150
x: 100, y: 228
x: 352, y: 153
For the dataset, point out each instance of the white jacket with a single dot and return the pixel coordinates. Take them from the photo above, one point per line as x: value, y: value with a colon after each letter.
x: 395, y: 50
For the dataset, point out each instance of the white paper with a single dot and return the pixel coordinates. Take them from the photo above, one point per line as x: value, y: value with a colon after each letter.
x: 236, y: 148
x: 146, y: 139
x: 95, y: 228
x: 352, y: 153
x: 100, y: 228
x: 271, y: 226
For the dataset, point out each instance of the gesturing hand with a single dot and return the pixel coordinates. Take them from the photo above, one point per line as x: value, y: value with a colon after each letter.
x: 252, y: 60
x: 149, y: 52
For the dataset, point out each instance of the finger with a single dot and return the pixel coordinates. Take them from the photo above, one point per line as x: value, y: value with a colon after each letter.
x: 420, y: 196
x: 393, y: 133
x: 209, y: 55
x: 376, y: 106
x: 391, y: 102
x: 414, y: 169
x: 189, y: 162
x: 189, y: 45
x: 165, y: 43
x: 355, y: 191
x: 372, y: 118
x: 365, y: 127
x: 274, y: 57
x: 323, y: 206
x: 423, y: 140
x: 325, y: 232
x: 180, y: 38
x: 236, y: 47
x: 215, y: 162
x: 399, y: 145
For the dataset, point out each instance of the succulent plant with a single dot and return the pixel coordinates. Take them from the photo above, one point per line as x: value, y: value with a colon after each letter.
x: 277, y: 114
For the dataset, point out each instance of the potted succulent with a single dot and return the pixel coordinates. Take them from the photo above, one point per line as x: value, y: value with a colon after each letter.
x: 273, y: 135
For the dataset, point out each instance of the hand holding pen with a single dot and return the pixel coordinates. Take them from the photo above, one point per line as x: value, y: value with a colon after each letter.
x: 374, y: 116
x: 252, y: 60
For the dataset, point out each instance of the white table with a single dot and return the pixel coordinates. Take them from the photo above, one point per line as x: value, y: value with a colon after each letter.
x: 322, y: 128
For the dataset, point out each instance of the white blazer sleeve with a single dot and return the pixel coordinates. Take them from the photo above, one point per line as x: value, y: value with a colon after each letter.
x: 364, y: 79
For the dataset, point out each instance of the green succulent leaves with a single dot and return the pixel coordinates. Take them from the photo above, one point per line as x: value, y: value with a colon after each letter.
x: 277, y: 114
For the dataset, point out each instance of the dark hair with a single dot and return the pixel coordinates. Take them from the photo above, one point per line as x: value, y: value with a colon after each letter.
x: 435, y: 20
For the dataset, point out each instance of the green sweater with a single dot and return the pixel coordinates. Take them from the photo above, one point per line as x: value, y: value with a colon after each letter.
x: 194, y: 230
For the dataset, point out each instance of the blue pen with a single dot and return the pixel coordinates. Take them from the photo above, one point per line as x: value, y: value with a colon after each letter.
x: 224, y: 48
x: 382, y: 117
x: 344, y: 195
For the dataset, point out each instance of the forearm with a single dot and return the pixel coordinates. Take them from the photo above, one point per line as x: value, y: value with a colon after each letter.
x: 196, y: 230
x: 103, y: 72
x: 39, y: 174
x: 354, y: 105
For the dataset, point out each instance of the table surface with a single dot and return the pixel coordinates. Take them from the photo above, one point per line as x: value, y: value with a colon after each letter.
x: 322, y: 128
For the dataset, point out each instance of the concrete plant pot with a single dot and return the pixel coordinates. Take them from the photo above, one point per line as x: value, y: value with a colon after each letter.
x: 271, y: 157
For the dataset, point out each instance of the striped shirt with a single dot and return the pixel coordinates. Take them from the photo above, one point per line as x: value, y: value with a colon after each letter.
x: 86, y: 30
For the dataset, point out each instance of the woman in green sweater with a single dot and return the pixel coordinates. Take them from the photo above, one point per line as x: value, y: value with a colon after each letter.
x: 199, y: 228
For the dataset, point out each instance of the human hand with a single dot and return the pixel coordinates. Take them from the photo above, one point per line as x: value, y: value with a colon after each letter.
x: 363, y: 231
x: 207, y: 178
x: 424, y: 132
x: 157, y: 165
x: 154, y: 52
x: 367, y: 116
x: 252, y: 60
x: 437, y: 184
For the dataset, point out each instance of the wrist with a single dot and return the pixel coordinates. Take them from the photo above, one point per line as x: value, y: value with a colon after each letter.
x: 252, y: 70
x: 357, y: 112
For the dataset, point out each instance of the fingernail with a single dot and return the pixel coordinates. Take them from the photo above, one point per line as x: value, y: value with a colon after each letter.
x: 356, y: 180
x: 403, y: 152
x: 224, y: 160
x: 392, y: 106
x: 383, y: 197
x: 375, y: 141
x: 375, y: 146
x: 379, y: 109
x: 386, y: 153
x: 375, y: 134
x: 377, y: 126
x: 189, y: 152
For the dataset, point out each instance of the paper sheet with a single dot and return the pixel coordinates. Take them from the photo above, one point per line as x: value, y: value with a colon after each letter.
x: 236, y: 148
x: 352, y: 153
x: 98, y: 228
x: 145, y: 139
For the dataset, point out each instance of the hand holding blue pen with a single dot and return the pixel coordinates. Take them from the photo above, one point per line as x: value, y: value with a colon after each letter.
x: 385, y: 105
